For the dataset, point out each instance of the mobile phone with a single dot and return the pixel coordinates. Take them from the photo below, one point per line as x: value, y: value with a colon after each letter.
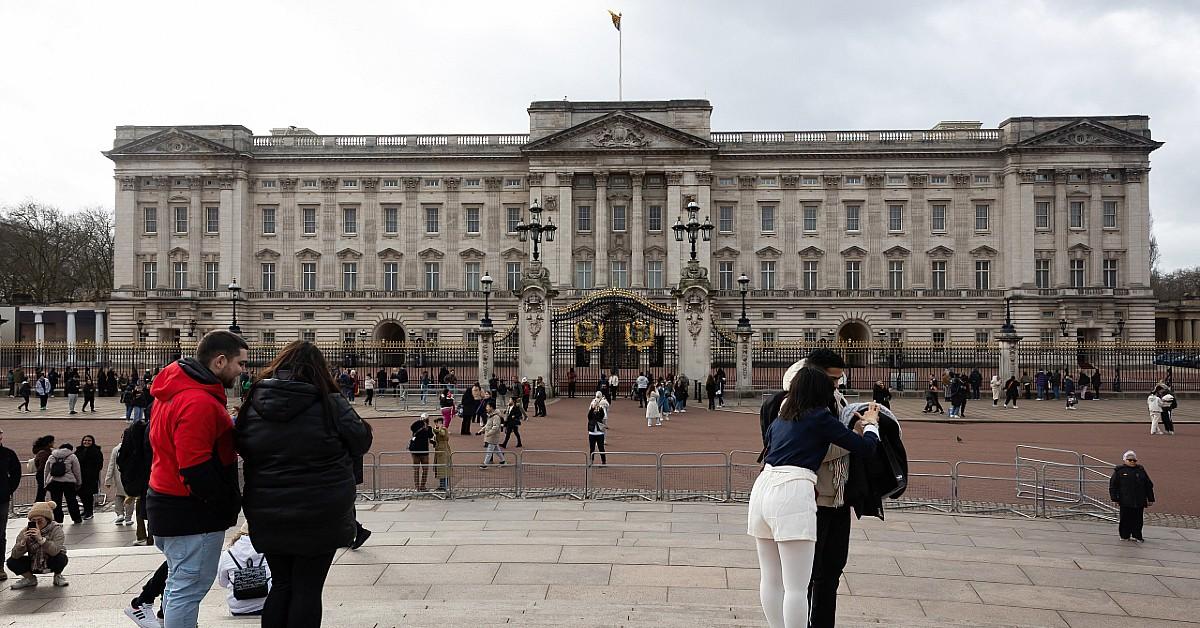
x: 32, y: 525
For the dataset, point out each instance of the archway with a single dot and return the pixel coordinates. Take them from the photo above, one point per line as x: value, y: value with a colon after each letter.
x: 389, y: 331
x: 854, y: 331
x: 852, y: 335
x: 389, y: 344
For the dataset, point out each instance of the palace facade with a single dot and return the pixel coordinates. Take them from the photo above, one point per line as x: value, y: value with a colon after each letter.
x: 902, y: 234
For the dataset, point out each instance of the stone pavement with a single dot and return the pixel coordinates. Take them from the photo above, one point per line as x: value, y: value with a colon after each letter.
x: 572, y: 564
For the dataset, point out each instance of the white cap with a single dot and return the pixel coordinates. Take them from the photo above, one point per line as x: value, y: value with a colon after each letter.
x: 1129, y: 455
x: 791, y: 373
x: 424, y: 416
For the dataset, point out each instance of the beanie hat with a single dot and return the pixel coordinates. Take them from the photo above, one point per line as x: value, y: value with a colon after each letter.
x: 1129, y: 455
x: 43, y: 509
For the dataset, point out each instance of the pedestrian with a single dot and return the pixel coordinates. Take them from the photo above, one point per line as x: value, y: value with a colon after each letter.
x: 1083, y: 384
x: 1168, y: 407
x: 1130, y: 487
x: 1042, y: 381
x: 1096, y: 385
x: 424, y: 386
x: 1026, y: 385
x: 491, y: 432
x: 666, y: 396
x: 418, y: 447
x: 10, y: 479
x: 597, y: 419
x: 443, y: 453
x: 43, y: 390
x: 369, y: 387
x: 53, y: 378
x: 783, y: 509
x: 1056, y: 384
x: 526, y: 393
x: 1116, y: 385
x: 41, y: 547
x: 72, y: 389
x: 932, y: 394
x: 447, y: 407
x: 614, y: 385
x: 481, y: 411
x: 952, y: 396
x: 1012, y: 391
x: 244, y: 571
x: 571, y: 382
x: 539, y: 397
x: 720, y: 388
x: 512, y: 422
x: 191, y: 437
x: 997, y: 387
x: 653, y: 413
x: 23, y: 392
x: 89, y: 395
x: 710, y: 391
x: 42, y: 448
x: 502, y: 393
x: 63, y: 478
x: 123, y: 503
x: 470, y: 408
x: 976, y: 380
x: 881, y: 394
x: 1154, y: 404
x: 296, y: 435
x: 91, y: 461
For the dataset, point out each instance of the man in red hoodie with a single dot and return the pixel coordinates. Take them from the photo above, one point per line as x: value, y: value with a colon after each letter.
x: 193, y: 496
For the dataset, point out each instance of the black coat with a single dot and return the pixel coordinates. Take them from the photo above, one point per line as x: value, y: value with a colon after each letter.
x: 91, y: 461
x: 10, y: 473
x: 299, y: 453
x: 1131, y: 486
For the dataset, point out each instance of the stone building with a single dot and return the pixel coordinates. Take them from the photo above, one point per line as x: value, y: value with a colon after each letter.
x: 913, y: 235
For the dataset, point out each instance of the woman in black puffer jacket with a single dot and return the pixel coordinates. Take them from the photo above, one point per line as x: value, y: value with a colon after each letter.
x: 299, y: 439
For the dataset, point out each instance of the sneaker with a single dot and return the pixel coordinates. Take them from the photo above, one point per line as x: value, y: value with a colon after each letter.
x: 483, y: 466
x: 1140, y: 540
x: 359, y: 539
x: 24, y: 583
x: 120, y: 520
x: 60, y: 581
x: 143, y: 615
x: 86, y: 517
x: 129, y: 522
x: 141, y: 543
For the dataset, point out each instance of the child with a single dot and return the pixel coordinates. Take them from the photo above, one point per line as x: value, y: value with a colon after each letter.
x: 240, y: 564
x: 1072, y: 400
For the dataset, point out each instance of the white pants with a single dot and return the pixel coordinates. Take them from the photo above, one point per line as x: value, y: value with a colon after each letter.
x: 785, y: 568
x: 1155, y: 418
x: 71, y: 400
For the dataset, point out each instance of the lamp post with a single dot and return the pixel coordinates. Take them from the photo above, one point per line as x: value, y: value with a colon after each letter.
x: 1008, y: 329
x: 142, y: 334
x: 486, y: 282
x: 534, y: 230
x: 234, y: 291
x: 693, y: 228
x: 1119, y: 332
x: 192, y: 328
x: 744, y: 287
x: 362, y: 348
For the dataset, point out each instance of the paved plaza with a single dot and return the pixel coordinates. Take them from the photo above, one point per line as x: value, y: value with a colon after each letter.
x: 569, y: 563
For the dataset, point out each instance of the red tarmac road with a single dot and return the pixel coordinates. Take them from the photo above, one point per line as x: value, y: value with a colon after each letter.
x: 1170, y: 460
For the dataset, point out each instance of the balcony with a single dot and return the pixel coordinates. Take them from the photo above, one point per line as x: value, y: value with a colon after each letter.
x: 851, y: 140
x: 267, y: 145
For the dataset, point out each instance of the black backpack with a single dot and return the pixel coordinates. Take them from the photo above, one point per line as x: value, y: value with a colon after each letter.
x: 58, y: 468
x: 135, y: 457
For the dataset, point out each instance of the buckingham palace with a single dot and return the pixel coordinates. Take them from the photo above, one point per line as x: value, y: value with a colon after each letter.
x: 910, y: 235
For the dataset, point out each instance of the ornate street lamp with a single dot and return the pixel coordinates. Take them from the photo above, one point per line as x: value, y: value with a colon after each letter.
x: 486, y: 282
x: 535, y: 229
x: 1008, y: 329
x: 192, y: 328
x: 693, y: 227
x: 1062, y: 326
x: 234, y: 291
x: 744, y: 286
x: 1119, y: 332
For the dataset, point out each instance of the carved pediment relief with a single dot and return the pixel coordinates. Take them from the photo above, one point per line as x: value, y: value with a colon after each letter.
x: 349, y: 253
x: 811, y: 251
x: 768, y: 252
x: 308, y: 254
x: 177, y: 198
x: 471, y: 253
x: 726, y: 252
x: 619, y: 131
x: 940, y: 251
x: 172, y: 141
x: 1080, y: 248
x: 267, y: 254
x: 389, y: 253
x: 1089, y: 133
x: 897, y: 251
x: 584, y: 252
x: 178, y: 253
x: 653, y: 251
x: 984, y: 251
x: 513, y: 253
x: 431, y: 253
x: 854, y: 251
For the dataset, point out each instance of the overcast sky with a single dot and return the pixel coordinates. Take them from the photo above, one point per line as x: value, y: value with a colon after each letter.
x: 74, y: 70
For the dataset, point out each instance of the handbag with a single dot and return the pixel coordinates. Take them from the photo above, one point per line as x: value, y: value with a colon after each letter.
x: 250, y: 580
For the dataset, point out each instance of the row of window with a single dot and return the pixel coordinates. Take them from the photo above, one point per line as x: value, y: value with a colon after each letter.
x: 269, y: 273
x: 429, y: 184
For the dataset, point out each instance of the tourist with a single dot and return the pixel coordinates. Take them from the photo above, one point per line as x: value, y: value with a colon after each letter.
x: 91, y: 461
x: 1116, y: 385
x: 1012, y: 390
x: 346, y: 385
x: 597, y: 419
x: 244, y: 571
x: 932, y: 392
x: 571, y: 382
x: 1168, y: 407
x: 614, y: 385
x: 653, y: 412
x: 539, y: 397
x: 1055, y: 384
x: 962, y: 396
x: 881, y: 394
x: 710, y: 391
x: 40, y: 548
x: 682, y: 383
x: 72, y: 390
x: 720, y: 388
x: 89, y: 395
x: 491, y: 432
x: 1130, y: 487
x: 418, y: 447
x: 1042, y: 381
x: 369, y: 387
x: 1026, y: 385
x: 1096, y: 385
x: 43, y: 389
x: 1154, y: 404
x: 23, y: 392
x: 447, y: 407
x: 997, y: 388
x: 63, y: 478
x: 642, y: 383
x: 602, y: 386
x: 192, y: 438
x: 10, y: 479
x: 134, y: 463
x: 502, y: 393
x: 953, y: 395
x: 123, y: 503
x: 783, y: 510
x: 441, y: 445
x: 481, y: 411
x: 470, y: 407
x: 299, y: 441
x: 424, y: 386
x: 666, y: 399
x: 141, y: 608
x: 1083, y: 384
x: 512, y: 422
x: 976, y: 381
x: 526, y: 393
x: 42, y: 447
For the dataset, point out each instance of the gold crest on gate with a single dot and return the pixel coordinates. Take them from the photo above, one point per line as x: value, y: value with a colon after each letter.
x: 640, y: 335
x: 589, y: 334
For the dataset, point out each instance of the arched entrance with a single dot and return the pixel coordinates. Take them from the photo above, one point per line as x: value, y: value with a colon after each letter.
x: 854, y: 334
x: 389, y: 341
x: 389, y: 331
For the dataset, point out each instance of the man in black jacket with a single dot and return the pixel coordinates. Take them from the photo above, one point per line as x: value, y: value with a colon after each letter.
x: 10, y: 479
x: 1130, y: 486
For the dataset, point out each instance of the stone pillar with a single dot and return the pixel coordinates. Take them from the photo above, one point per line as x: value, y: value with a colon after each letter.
x: 694, y: 307
x: 196, y: 227
x: 1008, y: 355
x: 290, y: 224
x: 1187, y: 331
x: 39, y: 334
x: 534, y: 314
x: 601, y: 227
x: 99, y: 336
x: 71, y: 336
x: 1061, y: 219
x: 486, y: 355
x: 129, y: 221
x: 1170, y: 329
x: 707, y: 212
x: 565, y: 236
x: 637, y: 228
x: 745, y: 364
x: 672, y: 209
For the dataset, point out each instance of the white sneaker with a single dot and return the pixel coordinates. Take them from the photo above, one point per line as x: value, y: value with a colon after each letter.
x: 24, y: 583
x: 120, y: 520
x: 143, y: 616
x: 60, y: 581
x: 129, y: 522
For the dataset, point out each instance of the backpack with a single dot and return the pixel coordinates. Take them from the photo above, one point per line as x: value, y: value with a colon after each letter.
x: 133, y: 460
x: 58, y: 468
x: 250, y: 580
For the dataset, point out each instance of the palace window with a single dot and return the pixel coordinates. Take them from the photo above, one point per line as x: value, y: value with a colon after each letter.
x: 1076, y: 214
x: 852, y: 217
x: 1110, y: 273
x: 584, y: 279
x: 1041, y: 273
x: 983, y: 178
x: 767, y: 213
x: 895, y: 218
x: 212, y: 275
x: 853, y: 179
x: 983, y: 274
x: 620, y: 274
x: 937, y: 275
x: 268, y: 220
x: 309, y: 216
x: 150, y: 219
x: 982, y: 216
x: 212, y: 219
x: 512, y: 218
x: 472, y: 276
x: 349, y: 276
x: 937, y: 218
x: 431, y: 183
x: 654, y: 274
x: 618, y: 218
x: 810, y: 275
x: 937, y: 179
x: 809, y: 180
x: 267, y: 184
x: 654, y: 218
x: 725, y: 219
x: 179, y: 271
x: 471, y: 183
x: 268, y: 276
x: 725, y: 275
x: 896, y: 275
x: 308, y: 276
x: 433, y: 276
x: 391, y: 219
x: 583, y: 218
x: 810, y: 219
x: 1041, y: 214
x: 350, y: 220
x: 350, y: 183
x: 308, y: 183
x: 391, y: 276
x: 395, y: 183
x: 473, y: 220
x: 1110, y: 214
x: 766, y: 273
x: 853, y: 274
x: 181, y: 219
x: 431, y: 220
x: 1077, y: 273
x: 512, y: 271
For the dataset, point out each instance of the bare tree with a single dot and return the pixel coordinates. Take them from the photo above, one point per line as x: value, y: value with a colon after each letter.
x: 51, y: 256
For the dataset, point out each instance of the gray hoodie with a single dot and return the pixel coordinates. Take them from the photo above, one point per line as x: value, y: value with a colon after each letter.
x: 74, y: 473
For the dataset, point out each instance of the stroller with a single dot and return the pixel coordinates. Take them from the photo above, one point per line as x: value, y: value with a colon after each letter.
x: 1072, y: 401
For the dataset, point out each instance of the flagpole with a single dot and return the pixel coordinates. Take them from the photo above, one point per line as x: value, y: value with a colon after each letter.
x: 620, y: 61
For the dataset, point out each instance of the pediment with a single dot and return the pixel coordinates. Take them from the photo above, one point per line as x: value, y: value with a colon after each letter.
x: 266, y: 254
x: 585, y: 252
x: 854, y: 251
x: 897, y: 251
x: 471, y: 253
x: 513, y: 253
x: 768, y: 251
x: 431, y: 253
x: 726, y: 251
x: 307, y: 253
x: 1085, y: 133
x: 655, y: 250
x: 172, y: 141
x: 619, y: 131
x: 389, y: 253
x: 811, y: 251
x: 1081, y: 248
x: 984, y: 251
x: 349, y: 253
x: 178, y: 253
x: 940, y: 251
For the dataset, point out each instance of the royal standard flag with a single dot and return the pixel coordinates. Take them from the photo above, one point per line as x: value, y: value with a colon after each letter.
x: 616, y: 18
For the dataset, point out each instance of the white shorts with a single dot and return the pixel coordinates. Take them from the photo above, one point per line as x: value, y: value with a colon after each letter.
x: 783, y: 505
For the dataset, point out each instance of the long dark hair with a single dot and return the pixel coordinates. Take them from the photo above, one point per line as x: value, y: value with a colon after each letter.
x: 43, y: 443
x: 811, y: 389
x: 301, y: 361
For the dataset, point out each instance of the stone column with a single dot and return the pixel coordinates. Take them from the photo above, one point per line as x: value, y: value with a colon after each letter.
x: 1135, y: 229
x: 286, y: 270
x: 1095, y: 225
x: 196, y: 227
x: 672, y: 209
x: 486, y: 355
x: 1017, y: 245
x: 602, y: 227
x: 129, y: 221
x: 637, y: 229
x: 1061, y: 230
x: 71, y: 336
x: 368, y: 232
x: 694, y: 309
x: 99, y: 337
x: 565, y: 236
x: 455, y: 224
x: 745, y: 365
x: 704, y: 198
x: 534, y: 313
x: 414, y: 227
x: 328, y: 275
x: 1170, y: 329
x: 1187, y: 332
x: 39, y: 334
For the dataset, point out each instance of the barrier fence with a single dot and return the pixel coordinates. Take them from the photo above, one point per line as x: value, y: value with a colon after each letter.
x: 1040, y: 482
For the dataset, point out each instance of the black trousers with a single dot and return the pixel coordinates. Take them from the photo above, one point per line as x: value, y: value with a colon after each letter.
x: 1167, y: 423
x: 571, y: 390
x: 1130, y: 524
x: 510, y: 431
x: 87, y: 495
x: 296, y: 584
x: 64, y: 492
x: 596, y: 441
x: 154, y: 586
x: 539, y: 407
x: 24, y: 564
x: 833, y: 546
x: 974, y: 391
x: 89, y: 401
x: 932, y: 402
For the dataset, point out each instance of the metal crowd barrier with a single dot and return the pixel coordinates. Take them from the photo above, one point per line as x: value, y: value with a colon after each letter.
x: 930, y: 487
x: 993, y: 487
x: 693, y: 475
x: 554, y: 473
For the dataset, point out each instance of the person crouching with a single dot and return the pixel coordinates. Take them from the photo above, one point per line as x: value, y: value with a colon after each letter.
x: 40, y: 549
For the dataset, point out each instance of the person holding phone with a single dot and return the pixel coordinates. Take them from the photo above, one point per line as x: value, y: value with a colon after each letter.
x: 41, y: 548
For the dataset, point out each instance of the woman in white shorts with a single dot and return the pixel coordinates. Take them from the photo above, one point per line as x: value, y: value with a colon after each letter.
x: 783, y: 506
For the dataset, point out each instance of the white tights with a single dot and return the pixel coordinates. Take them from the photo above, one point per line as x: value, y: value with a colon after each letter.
x: 785, y: 569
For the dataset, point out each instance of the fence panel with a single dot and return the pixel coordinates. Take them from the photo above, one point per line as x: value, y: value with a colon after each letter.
x: 398, y: 477
x: 993, y: 487
x: 743, y: 470
x: 623, y: 475
x: 553, y: 473
x: 470, y: 478
x: 930, y: 487
x: 693, y: 475
x: 25, y: 495
x: 1064, y: 483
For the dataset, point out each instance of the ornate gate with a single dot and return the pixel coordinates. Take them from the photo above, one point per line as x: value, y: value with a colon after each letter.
x: 613, y: 329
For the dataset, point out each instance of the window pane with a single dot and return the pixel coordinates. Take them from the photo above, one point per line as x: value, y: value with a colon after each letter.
x: 895, y: 217
x: 725, y: 219
x: 212, y: 275
x: 181, y: 220
x: 766, y: 275
x: 654, y: 274
x: 896, y: 275
x: 268, y: 220
x: 852, y: 213
x: 150, y: 216
x: 853, y: 270
x: 310, y: 220
x: 810, y: 218
x: 619, y: 275
x: 583, y: 218
x: 431, y: 220
x: 810, y: 275
x: 349, y: 276
x: 938, y: 275
x: 472, y: 276
x: 513, y: 272
x: 983, y: 275
x: 583, y: 275
x: 1042, y: 215
x: 981, y: 217
x: 1110, y: 214
x: 350, y: 220
x: 391, y: 219
x: 433, y: 272
x: 768, y: 218
x: 937, y: 218
x: 654, y: 218
x: 618, y: 218
x: 725, y: 275
x: 308, y: 276
x: 1076, y: 211
x: 513, y: 218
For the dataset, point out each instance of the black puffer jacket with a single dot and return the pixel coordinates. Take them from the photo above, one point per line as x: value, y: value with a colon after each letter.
x: 299, y: 453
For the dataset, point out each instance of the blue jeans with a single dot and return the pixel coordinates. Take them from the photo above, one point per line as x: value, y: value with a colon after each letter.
x: 191, y: 569
x: 137, y: 413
